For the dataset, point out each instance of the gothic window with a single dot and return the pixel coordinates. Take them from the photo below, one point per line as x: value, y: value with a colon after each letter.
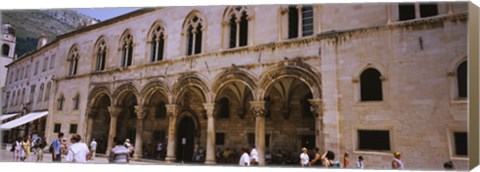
x: 407, y: 11
x: 13, y: 99
x: 101, y: 55
x: 47, y: 92
x: 158, y: 42
x: 5, y: 50
x: 17, y: 77
x: 223, y: 108
x: 32, y: 94
x: 73, y: 58
x: 462, y: 80
x: 300, y: 21
x: 60, y: 100
x: 161, y: 112
x: 36, y: 67
x: 40, y: 93
x: 127, y: 50
x: 45, y: 64
x: 371, y: 85
x: 57, y: 127
x: 27, y: 71
x: 73, y: 129
x: 76, y: 102
x: 194, y: 33
x: 52, y: 61
x: 238, y: 23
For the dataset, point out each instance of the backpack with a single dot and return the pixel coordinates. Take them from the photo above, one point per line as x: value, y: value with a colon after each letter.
x: 13, y: 147
x: 50, y: 149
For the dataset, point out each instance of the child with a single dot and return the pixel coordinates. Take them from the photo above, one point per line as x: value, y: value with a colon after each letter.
x: 360, y: 162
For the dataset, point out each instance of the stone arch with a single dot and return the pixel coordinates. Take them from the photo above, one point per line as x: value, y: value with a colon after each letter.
x: 155, y: 24
x: 155, y: 87
x: 304, y: 73
x: 187, y: 81
x: 359, y: 70
x: 123, y: 36
x: 96, y: 93
x: 191, y: 14
x: 122, y: 90
x: 233, y: 75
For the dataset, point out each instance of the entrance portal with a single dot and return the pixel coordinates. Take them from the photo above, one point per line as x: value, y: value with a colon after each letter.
x: 185, y: 132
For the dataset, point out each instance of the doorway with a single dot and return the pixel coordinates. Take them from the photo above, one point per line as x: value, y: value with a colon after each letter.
x: 185, y: 132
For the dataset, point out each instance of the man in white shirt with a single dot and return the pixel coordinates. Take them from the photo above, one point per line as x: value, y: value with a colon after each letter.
x: 253, y: 155
x: 93, y: 148
x: 77, y: 152
x: 244, y: 159
x: 304, y: 159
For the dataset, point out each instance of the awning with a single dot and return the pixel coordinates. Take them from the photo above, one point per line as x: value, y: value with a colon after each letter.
x: 23, y: 120
x: 6, y: 116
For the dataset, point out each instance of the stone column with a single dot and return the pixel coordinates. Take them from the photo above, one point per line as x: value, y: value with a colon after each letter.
x: 417, y: 10
x: 316, y: 109
x: 172, y: 111
x: 89, y: 129
x: 210, y: 158
x: 258, y: 109
x: 141, y: 113
x: 112, y: 132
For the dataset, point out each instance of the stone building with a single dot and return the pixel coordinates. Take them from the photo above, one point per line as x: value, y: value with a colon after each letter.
x: 369, y: 79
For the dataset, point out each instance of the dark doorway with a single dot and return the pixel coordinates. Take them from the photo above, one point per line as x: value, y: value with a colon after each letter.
x: 308, y: 141
x: 186, y: 129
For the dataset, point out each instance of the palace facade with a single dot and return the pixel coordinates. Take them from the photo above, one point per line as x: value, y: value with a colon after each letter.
x: 368, y: 79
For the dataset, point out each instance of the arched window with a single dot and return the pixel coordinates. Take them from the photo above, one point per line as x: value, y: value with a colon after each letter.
x: 76, y: 102
x: 73, y: 58
x: 371, y: 85
x: 52, y: 61
x: 13, y: 99
x: 5, y: 50
x: 238, y: 23
x: 60, y: 100
x: 45, y: 64
x: 47, y: 92
x: 194, y: 32
x: 462, y: 80
x: 27, y: 71
x: 101, y: 55
x: 223, y: 108
x: 158, y: 42
x: 127, y: 50
x: 40, y: 93
x: 300, y: 21
x: 22, y: 98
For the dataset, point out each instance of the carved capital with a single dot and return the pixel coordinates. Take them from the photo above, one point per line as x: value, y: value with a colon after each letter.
x: 141, y: 111
x: 172, y: 110
x: 114, y: 111
x: 316, y: 107
x: 209, y: 107
x: 258, y: 108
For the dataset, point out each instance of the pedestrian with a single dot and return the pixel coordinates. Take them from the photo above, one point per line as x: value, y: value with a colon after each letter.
x: 360, y: 163
x: 304, y: 159
x: 328, y: 160
x: 159, y: 150
x: 396, y: 162
x: 40, y: 145
x: 448, y: 165
x: 56, y: 148
x: 93, y: 148
x: 23, y: 152
x: 27, y: 146
x: 268, y: 157
x: 346, y: 160
x: 119, y: 153
x: 317, y: 161
x: 253, y: 155
x: 78, y: 151
x: 129, y: 146
x: 17, y: 150
x: 245, y: 158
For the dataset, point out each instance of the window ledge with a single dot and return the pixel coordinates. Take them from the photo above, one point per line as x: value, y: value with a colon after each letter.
x: 460, y: 101
x: 459, y: 158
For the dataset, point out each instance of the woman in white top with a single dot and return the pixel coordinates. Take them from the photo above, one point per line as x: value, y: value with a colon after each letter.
x: 304, y: 159
x: 244, y: 159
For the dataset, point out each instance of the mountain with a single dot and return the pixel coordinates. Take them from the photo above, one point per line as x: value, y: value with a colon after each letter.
x: 30, y: 24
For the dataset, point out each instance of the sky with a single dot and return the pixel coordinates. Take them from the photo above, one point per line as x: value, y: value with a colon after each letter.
x: 105, y: 13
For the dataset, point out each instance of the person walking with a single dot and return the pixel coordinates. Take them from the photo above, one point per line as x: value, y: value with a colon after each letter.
x: 253, y: 155
x: 159, y: 150
x: 304, y: 159
x: 17, y: 152
x: 245, y: 158
x: 56, y: 148
x: 317, y: 161
x: 93, y: 149
x: 23, y: 145
x: 346, y: 160
x: 27, y: 147
x: 328, y: 160
x: 78, y: 151
x: 40, y: 145
x: 396, y: 162
x: 119, y: 153
x: 360, y: 163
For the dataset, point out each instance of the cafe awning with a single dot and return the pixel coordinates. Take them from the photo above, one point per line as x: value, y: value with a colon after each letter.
x: 6, y: 116
x: 23, y: 120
